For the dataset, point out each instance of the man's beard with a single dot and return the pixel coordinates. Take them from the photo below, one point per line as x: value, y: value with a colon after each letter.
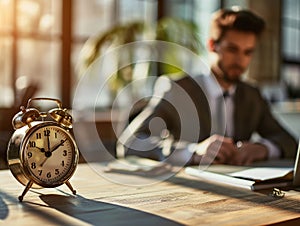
x: 228, y: 79
x: 231, y: 79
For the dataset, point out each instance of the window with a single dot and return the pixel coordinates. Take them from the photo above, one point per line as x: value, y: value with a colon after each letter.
x: 291, y: 46
x: 34, y: 35
x: 6, y: 46
x: 34, y: 39
x: 31, y: 42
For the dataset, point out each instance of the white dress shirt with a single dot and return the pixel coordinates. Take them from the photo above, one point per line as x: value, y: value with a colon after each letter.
x: 213, y: 92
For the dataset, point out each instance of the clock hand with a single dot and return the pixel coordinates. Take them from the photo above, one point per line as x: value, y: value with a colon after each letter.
x: 49, y: 153
x: 41, y: 149
x: 43, y: 162
x: 48, y: 142
x: 58, y: 145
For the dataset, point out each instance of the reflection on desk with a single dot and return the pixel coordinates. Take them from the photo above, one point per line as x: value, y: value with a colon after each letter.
x: 181, y: 199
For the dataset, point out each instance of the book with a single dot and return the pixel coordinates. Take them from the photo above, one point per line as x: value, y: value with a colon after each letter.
x: 253, y: 178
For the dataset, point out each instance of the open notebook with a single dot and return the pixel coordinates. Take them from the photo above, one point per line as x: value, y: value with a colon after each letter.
x: 254, y: 178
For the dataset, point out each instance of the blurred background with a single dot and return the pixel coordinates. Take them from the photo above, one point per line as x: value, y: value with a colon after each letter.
x: 46, y: 46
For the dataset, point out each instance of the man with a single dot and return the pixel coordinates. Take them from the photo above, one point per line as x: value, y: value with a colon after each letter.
x: 233, y: 37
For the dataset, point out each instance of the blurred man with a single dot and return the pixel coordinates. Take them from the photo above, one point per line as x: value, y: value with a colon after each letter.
x: 233, y: 37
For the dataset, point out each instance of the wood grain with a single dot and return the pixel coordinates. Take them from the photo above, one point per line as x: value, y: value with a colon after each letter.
x: 179, y: 200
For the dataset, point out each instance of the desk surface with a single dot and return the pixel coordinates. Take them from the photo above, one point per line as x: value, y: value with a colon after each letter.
x: 182, y: 199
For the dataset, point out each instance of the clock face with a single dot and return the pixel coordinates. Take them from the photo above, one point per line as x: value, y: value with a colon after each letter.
x: 50, y: 155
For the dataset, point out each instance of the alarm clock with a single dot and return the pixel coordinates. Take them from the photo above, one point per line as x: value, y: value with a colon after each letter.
x: 42, y: 152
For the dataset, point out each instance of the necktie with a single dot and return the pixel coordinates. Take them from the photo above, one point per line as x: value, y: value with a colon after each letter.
x: 221, y: 113
x: 225, y: 94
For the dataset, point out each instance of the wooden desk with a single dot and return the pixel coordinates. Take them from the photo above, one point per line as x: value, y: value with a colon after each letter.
x: 181, y: 199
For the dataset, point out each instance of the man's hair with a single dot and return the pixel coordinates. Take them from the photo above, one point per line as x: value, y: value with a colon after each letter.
x: 235, y: 19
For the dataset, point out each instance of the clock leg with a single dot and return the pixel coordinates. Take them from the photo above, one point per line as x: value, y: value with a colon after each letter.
x: 28, y: 186
x: 71, y: 188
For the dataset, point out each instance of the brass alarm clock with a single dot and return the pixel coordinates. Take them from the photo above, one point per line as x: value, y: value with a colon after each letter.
x: 42, y: 152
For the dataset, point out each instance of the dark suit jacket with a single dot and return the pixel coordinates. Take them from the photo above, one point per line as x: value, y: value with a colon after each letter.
x: 252, y: 114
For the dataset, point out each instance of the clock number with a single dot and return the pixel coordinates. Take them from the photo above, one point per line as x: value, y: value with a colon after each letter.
x: 40, y: 172
x: 29, y: 154
x: 32, y: 144
x: 62, y: 142
x: 48, y: 175
x: 38, y: 135
x: 56, y: 171
x: 62, y: 163
x: 46, y: 133
x: 65, y: 153
x: 33, y: 165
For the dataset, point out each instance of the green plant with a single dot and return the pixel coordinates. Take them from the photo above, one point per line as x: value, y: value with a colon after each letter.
x: 174, y: 30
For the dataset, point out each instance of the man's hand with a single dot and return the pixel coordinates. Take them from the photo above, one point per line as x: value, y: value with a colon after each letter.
x: 215, y: 149
x: 249, y: 153
x: 223, y: 150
